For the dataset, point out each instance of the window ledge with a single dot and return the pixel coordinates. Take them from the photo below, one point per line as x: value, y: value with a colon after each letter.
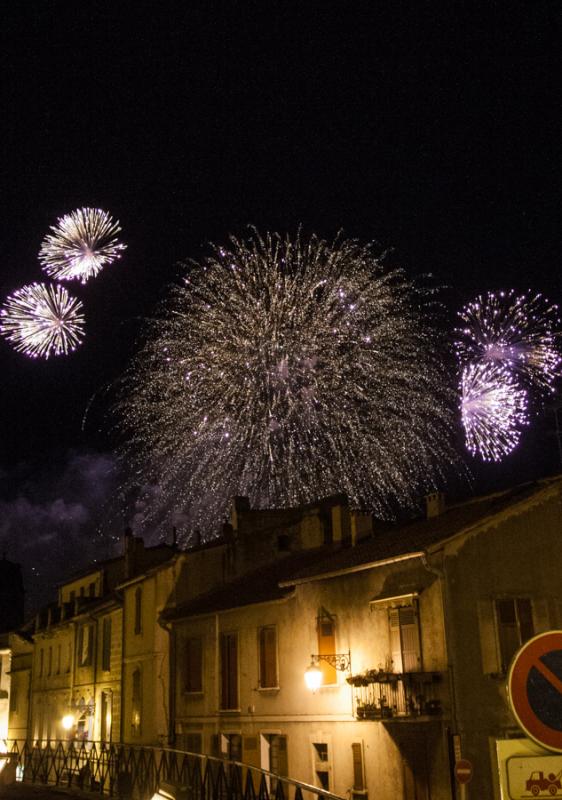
x: 268, y: 689
x: 230, y: 710
x: 196, y: 695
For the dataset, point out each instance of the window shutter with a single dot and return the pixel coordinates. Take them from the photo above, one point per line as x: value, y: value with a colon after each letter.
x: 358, y: 779
x: 540, y: 615
x: 327, y: 646
x: 268, y: 657
x: 251, y: 751
x: 410, y: 638
x: 488, y: 637
x: 395, y: 644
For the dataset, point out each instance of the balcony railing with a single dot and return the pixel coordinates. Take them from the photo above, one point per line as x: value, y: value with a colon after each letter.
x: 388, y: 695
x: 135, y: 773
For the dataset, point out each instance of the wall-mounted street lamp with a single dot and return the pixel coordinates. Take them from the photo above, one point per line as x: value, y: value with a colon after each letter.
x: 313, y: 674
x: 68, y: 722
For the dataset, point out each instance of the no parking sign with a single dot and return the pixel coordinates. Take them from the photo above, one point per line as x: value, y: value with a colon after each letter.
x: 534, y: 689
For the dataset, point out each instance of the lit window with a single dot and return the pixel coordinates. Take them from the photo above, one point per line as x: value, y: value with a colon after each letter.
x: 136, y: 703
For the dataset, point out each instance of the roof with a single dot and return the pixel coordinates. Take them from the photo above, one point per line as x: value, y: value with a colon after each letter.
x: 389, y: 542
x: 260, y: 586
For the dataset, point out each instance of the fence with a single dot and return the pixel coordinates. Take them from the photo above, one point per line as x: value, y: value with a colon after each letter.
x: 125, y: 771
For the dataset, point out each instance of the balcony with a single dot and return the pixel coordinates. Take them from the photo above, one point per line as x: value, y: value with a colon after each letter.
x: 396, y: 696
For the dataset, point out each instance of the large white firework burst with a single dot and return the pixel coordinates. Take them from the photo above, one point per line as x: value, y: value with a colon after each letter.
x: 519, y: 331
x: 41, y: 320
x: 287, y: 369
x: 80, y: 245
x: 493, y: 409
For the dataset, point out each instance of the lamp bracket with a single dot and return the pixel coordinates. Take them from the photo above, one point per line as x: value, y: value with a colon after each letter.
x: 340, y: 661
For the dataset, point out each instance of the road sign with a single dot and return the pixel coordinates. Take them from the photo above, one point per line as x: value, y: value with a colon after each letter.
x: 534, y: 689
x: 463, y: 771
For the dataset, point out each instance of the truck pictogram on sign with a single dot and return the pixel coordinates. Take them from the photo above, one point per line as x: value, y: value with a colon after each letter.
x: 547, y: 784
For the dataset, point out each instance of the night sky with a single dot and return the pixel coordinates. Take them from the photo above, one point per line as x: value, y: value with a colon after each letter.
x: 433, y: 129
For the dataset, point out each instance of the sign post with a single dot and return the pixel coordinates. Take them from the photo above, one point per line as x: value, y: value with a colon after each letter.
x: 534, y: 689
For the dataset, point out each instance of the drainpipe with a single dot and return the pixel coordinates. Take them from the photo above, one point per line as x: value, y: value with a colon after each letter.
x: 170, y: 630
x: 450, y: 665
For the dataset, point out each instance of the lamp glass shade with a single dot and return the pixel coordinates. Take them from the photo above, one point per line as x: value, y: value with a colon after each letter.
x: 313, y: 677
x: 68, y: 721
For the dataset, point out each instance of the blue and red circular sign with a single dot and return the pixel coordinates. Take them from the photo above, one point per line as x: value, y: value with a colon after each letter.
x: 534, y: 689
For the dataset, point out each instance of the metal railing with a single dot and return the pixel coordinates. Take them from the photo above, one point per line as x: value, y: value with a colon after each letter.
x: 127, y: 771
x: 385, y: 695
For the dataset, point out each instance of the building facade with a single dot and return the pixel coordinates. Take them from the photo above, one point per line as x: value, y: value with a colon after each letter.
x: 411, y: 626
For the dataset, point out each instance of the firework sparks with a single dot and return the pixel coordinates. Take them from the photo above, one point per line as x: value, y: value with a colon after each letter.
x: 285, y: 370
x: 493, y: 409
x: 80, y: 245
x: 41, y: 320
x: 517, y: 331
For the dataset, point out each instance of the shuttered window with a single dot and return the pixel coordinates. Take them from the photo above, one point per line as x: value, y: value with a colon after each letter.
x: 326, y: 629
x: 193, y: 665
x: 229, y: 671
x: 358, y: 773
x: 404, y: 639
x: 268, y: 657
x: 515, y: 626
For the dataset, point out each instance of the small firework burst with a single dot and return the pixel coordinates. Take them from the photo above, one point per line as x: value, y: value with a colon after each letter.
x: 518, y: 331
x: 41, y: 320
x: 493, y: 410
x: 80, y: 245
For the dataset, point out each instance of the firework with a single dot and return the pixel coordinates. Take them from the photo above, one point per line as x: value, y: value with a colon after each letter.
x: 41, y: 320
x: 493, y: 409
x: 80, y: 245
x: 288, y: 369
x: 518, y: 331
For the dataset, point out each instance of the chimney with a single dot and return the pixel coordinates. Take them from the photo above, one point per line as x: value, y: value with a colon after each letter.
x: 239, y: 505
x: 434, y: 504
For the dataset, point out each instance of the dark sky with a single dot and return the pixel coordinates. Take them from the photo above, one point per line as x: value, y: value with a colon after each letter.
x: 434, y: 128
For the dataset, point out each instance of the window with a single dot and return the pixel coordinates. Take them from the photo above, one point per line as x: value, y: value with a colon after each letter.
x: 82, y: 591
x: 85, y: 645
x: 231, y: 746
x: 515, y: 626
x: 41, y: 657
x: 505, y: 623
x: 69, y: 657
x: 326, y: 629
x: 194, y: 665
x: 358, y: 768
x: 267, y: 638
x: 229, y: 671
x: 136, y: 702
x: 322, y: 765
x: 106, y: 645
x: 106, y: 716
x: 138, y: 610
x: 59, y: 657
x: 50, y: 661
x: 72, y: 596
x: 404, y: 639
x: 191, y: 742
x: 92, y: 589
